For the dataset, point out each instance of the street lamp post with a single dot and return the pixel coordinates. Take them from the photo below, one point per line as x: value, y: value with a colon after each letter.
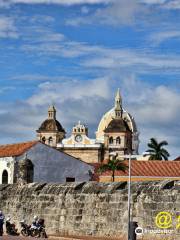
x: 129, y: 196
x: 129, y: 189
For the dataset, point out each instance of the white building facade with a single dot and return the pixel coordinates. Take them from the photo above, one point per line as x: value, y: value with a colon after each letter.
x: 7, y: 170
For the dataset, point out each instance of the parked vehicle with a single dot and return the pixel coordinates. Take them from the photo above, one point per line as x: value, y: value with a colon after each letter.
x: 25, y: 229
x: 39, y: 229
x: 11, y: 228
x: 1, y: 223
x: 34, y: 230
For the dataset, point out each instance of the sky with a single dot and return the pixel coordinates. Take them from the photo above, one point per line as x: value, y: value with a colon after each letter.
x: 76, y: 53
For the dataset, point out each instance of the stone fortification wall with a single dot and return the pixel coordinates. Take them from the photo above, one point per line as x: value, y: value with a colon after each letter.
x: 91, y: 208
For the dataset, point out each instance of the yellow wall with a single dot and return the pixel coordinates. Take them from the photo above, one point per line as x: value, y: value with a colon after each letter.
x: 136, y: 179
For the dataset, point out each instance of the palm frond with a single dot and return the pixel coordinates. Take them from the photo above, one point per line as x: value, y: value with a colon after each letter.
x: 152, y: 146
x: 122, y: 167
x: 154, y: 141
x: 164, y: 151
x: 163, y: 143
x: 104, y: 168
x: 150, y: 150
x: 156, y: 151
x: 113, y: 165
x: 164, y: 156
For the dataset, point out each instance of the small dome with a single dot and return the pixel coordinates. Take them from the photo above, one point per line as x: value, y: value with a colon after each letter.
x: 117, y: 125
x: 51, y: 125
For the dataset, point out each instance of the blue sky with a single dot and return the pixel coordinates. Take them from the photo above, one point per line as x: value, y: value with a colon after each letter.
x: 76, y: 53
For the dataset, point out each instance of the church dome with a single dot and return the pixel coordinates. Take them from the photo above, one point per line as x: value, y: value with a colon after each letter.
x: 116, y: 126
x: 110, y: 115
x: 51, y: 125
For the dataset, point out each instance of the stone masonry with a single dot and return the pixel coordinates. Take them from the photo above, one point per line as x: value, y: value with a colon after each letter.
x: 96, y: 209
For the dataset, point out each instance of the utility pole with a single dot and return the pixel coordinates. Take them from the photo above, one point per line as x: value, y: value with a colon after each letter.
x: 129, y: 197
x: 129, y: 191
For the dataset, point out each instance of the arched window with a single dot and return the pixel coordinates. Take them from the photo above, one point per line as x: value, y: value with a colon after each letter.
x: 5, y: 177
x: 43, y: 139
x: 118, y: 140
x: 50, y: 141
x: 111, y: 140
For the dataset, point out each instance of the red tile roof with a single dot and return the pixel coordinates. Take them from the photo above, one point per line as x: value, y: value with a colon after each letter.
x: 150, y: 168
x: 12, y: 150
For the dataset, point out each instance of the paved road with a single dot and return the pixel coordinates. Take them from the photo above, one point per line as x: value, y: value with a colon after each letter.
x: 58, y: 238
x: 18, y: 238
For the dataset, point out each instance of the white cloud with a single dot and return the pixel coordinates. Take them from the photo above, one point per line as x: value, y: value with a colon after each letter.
x: 7, y: 28
x: 152, y: 105
x: 50, y: 92
x: 60, y: 2
x: 39, y: 29
x: 162, y: 107
x: 81, y: 2
x: 155, y: 108
x: 129, y: 12
x: 153, y: 1
x: 66, y: 48
x: 120, y: 12
x: 136, y: 60
x: 42, y: 19
x: 35, y: 78
x: 6, y: 89
x: 158, y: 38
x: 74, y: 99
x: 43, y: 36
x: 47, y: 44
x: 117, y: 12
x: 173, y: 4
x: 156, y: 111
x: 4, y: 4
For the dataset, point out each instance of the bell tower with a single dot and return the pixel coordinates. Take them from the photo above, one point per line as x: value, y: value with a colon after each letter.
x: 51, y: 132
x: 80, y: 132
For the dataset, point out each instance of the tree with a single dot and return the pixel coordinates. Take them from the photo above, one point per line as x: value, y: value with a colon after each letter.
x: 113, y: 165
x: 156, y: 150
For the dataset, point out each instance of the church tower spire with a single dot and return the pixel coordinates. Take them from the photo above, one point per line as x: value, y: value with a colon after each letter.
x: 52, y: 112
x: 118, y: 105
